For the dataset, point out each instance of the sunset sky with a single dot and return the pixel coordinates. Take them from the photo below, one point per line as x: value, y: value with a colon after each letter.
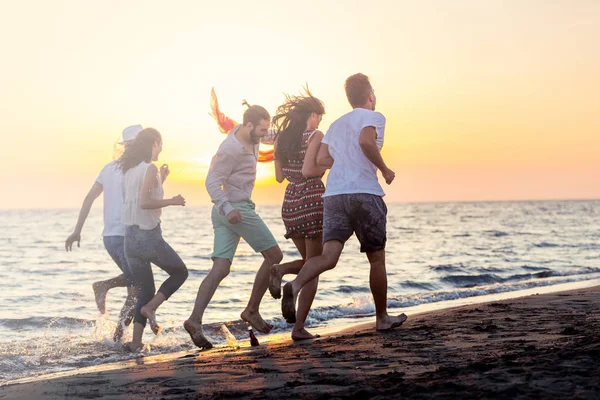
x: 484, y: 100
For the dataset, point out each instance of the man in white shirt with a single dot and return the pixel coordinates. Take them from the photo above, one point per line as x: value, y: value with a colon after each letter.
x: 353, y: 200
x: 113, y: 234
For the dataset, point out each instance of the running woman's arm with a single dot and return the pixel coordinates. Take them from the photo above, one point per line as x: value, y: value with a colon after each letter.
x: 368, y: 143
x: 278, y: 170
x: 164, y: 172
x: 146, y: 200
x: 311, y: 168
x: 92, y: 195
x: 324, y: 159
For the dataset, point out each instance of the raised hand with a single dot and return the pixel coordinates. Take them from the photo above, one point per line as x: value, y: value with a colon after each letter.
x: 164, y: 171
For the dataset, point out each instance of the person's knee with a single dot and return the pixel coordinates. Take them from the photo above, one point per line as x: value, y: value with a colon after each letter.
x: 220, y: 270
x: 274, y: 255
x: 376, y: 257
x: 184, y: 274
x: 329, y: 260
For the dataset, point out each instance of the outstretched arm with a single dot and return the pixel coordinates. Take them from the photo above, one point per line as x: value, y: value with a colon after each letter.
x: 368, y: 143
x: 92, y: 195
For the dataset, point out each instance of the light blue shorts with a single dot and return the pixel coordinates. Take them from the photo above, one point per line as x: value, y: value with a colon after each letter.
x: 252, y: 229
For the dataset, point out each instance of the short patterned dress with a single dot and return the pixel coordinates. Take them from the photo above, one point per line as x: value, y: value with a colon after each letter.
x: 302, y: 210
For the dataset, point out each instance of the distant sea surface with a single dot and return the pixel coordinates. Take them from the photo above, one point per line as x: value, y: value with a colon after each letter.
x: 436, y: 252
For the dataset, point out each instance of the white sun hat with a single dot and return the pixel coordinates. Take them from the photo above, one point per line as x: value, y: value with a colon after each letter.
x: 131, y: 133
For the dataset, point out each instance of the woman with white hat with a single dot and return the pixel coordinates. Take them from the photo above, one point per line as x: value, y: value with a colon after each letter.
x: 109, y: 183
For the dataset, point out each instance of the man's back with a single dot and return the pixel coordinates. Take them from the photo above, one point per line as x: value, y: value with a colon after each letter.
x: 352, y: 172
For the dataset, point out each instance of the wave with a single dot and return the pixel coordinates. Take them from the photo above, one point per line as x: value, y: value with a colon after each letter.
x: 418, y: 285
x: 362, y: 306
x: 467, y: 281
x: 545, y: 244
x: 495, y: 233
x: 471, y: 280
x: 532, y: 268
x: 352, y: 289
x: 447, y: 268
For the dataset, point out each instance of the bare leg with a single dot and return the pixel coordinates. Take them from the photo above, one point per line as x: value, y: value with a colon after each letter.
x: 102, y: 287
x: 277, y: 273
x: 307, y: 294
x: 312, y: 269
x: 292, y: 267
x: 126, y: 314
x: 251, y: 314
x: 136, y: 342
x: 378, y: 284
x: 149, y: 311
x: 208, y: 287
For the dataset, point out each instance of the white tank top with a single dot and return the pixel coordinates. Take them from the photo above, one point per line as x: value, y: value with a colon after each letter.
x: 132, y: 213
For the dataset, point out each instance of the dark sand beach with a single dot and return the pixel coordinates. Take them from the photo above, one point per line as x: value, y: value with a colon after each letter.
x: 541, y: 346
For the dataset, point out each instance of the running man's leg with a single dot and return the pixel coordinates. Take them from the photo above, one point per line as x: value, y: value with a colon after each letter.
x: 208, y: 287
x: 378, y: 284
x: 256, y: 233
x: 370, y: 226
x: 225, y: 245
x: 311, y: 270
x: 261, y: 282
x: 337, y: 229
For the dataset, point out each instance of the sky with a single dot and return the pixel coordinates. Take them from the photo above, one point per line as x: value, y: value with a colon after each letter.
x: 484, y: 100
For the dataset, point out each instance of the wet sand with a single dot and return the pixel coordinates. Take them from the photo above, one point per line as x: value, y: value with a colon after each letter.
x: 541, y: 346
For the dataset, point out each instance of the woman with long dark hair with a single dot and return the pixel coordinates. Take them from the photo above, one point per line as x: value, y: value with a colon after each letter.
x: 296, y: 148
x: 144, y: 244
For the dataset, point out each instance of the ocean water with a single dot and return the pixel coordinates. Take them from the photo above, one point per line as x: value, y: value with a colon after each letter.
x: 436, y: 252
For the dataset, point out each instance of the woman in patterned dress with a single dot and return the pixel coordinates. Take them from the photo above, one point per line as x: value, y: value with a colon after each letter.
x: 296, y: 149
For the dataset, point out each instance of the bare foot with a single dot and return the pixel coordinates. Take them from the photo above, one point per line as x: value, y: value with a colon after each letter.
x: 100, y: 294
x: 390, y: 322
x: 132, y: 348
x: 275, y: 281
x: 288, y: 304
x: 254, y: 319
x: 151, y: 315
x: 197, y: 335
x: 303, y: 334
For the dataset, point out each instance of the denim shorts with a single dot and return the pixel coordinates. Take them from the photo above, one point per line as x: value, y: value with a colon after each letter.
x: 115, y: 246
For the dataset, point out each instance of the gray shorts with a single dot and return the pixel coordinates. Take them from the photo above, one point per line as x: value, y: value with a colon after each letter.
x: 360, y: 213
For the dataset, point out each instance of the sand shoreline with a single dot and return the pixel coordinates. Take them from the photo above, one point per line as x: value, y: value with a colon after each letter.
x: 540, y: 346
